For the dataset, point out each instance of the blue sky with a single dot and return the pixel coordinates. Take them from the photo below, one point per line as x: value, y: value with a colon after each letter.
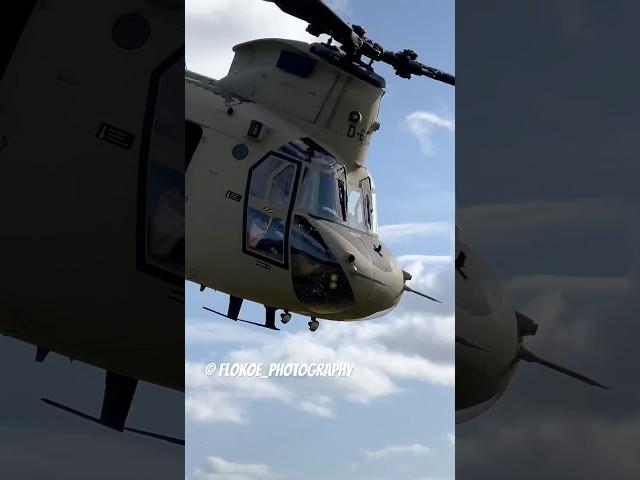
x: 394, y: 417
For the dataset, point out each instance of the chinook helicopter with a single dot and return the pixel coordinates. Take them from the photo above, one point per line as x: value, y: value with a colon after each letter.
x: 280, y: 207
x: 489, y: 338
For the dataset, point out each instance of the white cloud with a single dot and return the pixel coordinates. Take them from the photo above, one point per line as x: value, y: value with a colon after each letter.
x: 213, y: 28
x: 206, y: 332
x: 423, y: 125
x: 217, y: 468
x: 214, y: 399
x: 451, y: 439
x: 395, y: 450
x: 213, y: 407
x: 412, y: 231
x: 426, y: 270
x: 319, y: 405
x: 413, y: 344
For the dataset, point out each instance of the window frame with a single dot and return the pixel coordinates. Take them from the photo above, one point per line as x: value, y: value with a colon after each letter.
x: 366, y: 187
x: 287, y: 210
x: 143, y: 262
x: 341, y: 183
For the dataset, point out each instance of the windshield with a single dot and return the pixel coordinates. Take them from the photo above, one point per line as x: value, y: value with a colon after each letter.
x: 323, y: 192
x: 327, y: 192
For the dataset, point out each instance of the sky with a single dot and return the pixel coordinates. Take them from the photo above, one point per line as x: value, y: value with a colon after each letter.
x: 393, y: 417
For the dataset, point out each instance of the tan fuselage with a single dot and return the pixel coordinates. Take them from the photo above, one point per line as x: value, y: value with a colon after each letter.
x: 217, y: 182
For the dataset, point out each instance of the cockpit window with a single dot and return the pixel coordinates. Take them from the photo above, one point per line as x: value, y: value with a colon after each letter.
x: 355, y: 216
x: 281, y: 186
x: 160, y: 232
x: 323, y: 192
x: 367, y: 192
x: 271, y: 183
x: 262, y: 175
x: 328, y: 202
x: 362, y: 206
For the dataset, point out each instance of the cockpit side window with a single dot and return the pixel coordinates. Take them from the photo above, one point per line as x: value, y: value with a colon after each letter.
x: 365, y: 186
x: 271, y: 189
x: 361, y: 203
x: 161, y: 215
x: 263, y: 173
x: 343, y: 199
x: 342, y: 192
x: 355, y: 215
x: 281, y: 186
x: 327, y: 195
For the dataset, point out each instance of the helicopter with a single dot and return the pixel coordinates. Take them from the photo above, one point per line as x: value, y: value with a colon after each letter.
x: 280, y: 207
x: 112, y: 145
x: 490, y: 335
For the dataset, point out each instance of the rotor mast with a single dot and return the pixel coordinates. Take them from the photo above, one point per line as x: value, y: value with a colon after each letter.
x: 323, y: 20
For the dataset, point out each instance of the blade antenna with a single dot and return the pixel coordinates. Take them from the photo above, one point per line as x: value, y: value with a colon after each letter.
x: 528, y: 356
x: 409, y: 289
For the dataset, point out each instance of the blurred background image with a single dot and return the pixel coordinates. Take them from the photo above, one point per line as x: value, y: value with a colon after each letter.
x: 546, y: 194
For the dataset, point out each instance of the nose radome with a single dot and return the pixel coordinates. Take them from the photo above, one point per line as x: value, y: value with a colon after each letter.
x: 375, y: 277
x: 353, y: 256
x: 388, y: 286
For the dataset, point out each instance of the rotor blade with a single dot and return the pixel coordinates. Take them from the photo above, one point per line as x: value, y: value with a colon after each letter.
x: 320, y: 17
x: 409, y: 289
x: 405, y: 64
x: 527, y: 356
x: 437, y: 75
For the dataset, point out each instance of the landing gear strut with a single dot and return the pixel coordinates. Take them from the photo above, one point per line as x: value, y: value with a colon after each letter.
x: 313, y: 324
x: 285, y: 317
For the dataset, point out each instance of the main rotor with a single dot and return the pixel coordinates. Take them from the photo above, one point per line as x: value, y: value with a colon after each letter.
x: 323, y: 20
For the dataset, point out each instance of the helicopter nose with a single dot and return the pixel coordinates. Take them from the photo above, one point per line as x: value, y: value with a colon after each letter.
x: 372, y: 272
x: 380, y: 286
x: 388, y: 286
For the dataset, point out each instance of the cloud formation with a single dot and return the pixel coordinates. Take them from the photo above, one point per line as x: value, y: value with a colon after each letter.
x: 412, y: 231
x: 217, y: 468
x: 230, y: 22
x: 423, y: 125
x: 413, y: 344
x: 395, y: 450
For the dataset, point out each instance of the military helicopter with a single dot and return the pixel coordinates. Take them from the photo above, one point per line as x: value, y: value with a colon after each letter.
x: 280, y: 207
x: 104, y: 176
x: 489, y: 337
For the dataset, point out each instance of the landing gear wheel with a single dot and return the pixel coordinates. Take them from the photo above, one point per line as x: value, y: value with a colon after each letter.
x: 313, y: 325
x: 285, y: 317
